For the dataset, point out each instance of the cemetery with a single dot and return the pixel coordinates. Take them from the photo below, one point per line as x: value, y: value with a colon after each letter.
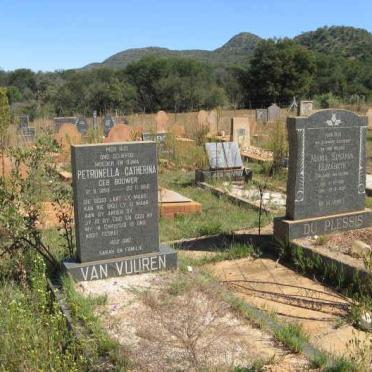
x: 209, y: 236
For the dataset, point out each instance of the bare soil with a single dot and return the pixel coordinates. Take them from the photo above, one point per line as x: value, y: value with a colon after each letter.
x: 172, y: 321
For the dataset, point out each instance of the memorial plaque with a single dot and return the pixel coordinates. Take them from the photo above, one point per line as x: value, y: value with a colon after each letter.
x: 115, y: 200
x: 223, y: 155
x: 240, y: 132
x: 58, y: 122
x: 273, y: 112
x: 327, y: 164
x: 261, y: 115
x: 23, y: 121
x: 82, y: 126
x: 108, y: 124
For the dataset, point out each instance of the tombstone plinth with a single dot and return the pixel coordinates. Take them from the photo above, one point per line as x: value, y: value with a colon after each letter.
x: 326, y: 175
x: 116, y: 211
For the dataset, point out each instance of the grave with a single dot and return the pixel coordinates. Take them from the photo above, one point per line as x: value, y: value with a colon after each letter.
x: 67, y: 135
x: 116, y: 212
x: 118, y: 133
x: 28, y: 134
x: 212, y: 120
x: 305, y: 108
x: 326, y: 175
x: 273, y: 113
x: 108, y: 123
x: 161, y: 119
x: 261, y: 116
x: 58, y: 122
x: 173, y: 204
x: 240, y: 132
x: 225, y: 162
x: 23, y: 121
x: 95, y: 120
x: 82, y: 126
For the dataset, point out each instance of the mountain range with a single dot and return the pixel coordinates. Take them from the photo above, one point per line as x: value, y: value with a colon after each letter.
x: 349, y: 42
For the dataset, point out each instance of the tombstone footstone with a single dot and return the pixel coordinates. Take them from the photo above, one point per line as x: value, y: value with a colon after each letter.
x: 240, y: 132
x: 118, y: 133
x: 305, y: 108
x: 261, y: 116
x: 161, y: 119
x: 23, y: 121
x: 82, y: 126
x: 58, y: 122
x: 116, y: 212
x: 108, y: 123
x: 213, y: 122
x: 326, y: 175
x: 273, y: 113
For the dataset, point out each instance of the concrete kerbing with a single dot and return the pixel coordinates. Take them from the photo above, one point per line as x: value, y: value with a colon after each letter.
x: 234, y: 199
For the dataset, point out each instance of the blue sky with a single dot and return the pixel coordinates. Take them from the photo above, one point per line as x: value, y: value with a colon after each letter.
x: 61, y: 34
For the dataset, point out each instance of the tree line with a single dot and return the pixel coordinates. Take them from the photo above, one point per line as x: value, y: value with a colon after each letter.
x: 278, y: 71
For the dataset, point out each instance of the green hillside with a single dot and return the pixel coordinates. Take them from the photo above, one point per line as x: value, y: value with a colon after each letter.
x: 349, y: 42
x: 236, y: 51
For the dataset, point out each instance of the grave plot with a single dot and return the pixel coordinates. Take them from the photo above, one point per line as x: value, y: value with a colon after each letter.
x: 186, y: 324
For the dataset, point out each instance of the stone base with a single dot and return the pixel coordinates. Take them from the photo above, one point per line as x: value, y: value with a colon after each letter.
x: 240, y: 174
x: 286, y: 230
x: 165, y: 259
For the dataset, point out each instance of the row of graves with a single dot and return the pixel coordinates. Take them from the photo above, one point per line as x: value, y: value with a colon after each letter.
x: 116, y: 193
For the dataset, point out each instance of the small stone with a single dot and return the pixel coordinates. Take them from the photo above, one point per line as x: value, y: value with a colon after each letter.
x: 365, y: 321
x: 359, y: 249
x: 189, y: 269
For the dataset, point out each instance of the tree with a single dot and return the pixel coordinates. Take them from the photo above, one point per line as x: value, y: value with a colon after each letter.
x: 279, y: 70
x: 4, y: 123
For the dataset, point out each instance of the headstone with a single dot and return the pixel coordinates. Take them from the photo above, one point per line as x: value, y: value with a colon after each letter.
x: 23, y: 121
x: 158, y: 137
x: 240, y: 131
x: 58, y: 122
x: 68, y: 135
x: 82, y: 126
x: 162, y: 119
x: 305, y: 108
x: 202, y: 118
x: 95, y: 120
x: 223, y: 155
x: 273, y: 112
x: 28, y: 134
x: 369, y: 116
x: 213, y: 122
x: 261, y: 116
x: 326, y: 175
x: 118, y: 133
x: 116, y: 211
x: 108, y: 123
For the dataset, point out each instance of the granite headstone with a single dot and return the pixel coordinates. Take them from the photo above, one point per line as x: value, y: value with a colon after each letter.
x: 23, y: 121
x: 108, y: 123
x: 326, y: 174
x: 82, y: 125
x: 116, y: 211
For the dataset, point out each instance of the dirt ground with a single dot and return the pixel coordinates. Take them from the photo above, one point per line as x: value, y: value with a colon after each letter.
x: 270, y: 286
x: 171, y: 321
